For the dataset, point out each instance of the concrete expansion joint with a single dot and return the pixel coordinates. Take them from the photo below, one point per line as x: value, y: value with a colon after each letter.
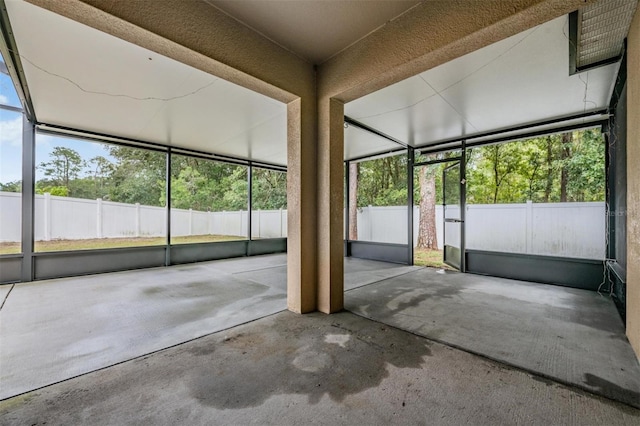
x: 418, y: 268
x: 7, y: 296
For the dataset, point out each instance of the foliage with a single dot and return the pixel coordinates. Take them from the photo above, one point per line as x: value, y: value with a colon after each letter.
x: 134, y: 175
x: 58, y: 191
x: 532, y: 170
x: 13, y: 186
x: 383, y: 182
x: 515, y: 172
x: 269, y: 189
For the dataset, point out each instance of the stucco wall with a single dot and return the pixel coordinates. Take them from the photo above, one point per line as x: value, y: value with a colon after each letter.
x: 633, y: 184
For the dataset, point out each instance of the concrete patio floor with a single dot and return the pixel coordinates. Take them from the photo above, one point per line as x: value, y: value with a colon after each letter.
x: 57, y: 329
x: 572, y: 336
x: 287, y: 369
x: 245, y: 361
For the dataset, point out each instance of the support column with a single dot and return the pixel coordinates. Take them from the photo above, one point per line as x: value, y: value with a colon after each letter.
x: 301, y: 207
x: 249, y: 202
x: 167, y: 183
x: 633, y: 184
x: 410, y: 173
x: 28, y: 189
x: 330, y: 206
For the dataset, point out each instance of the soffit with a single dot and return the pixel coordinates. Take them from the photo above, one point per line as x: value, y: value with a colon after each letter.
x: 314, y: 30
x: 522, y: 79
x: 85, y: 79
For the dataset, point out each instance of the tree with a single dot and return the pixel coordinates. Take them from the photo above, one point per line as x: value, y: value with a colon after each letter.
x: 102, y: 170
x: 354, y: 175
x: 555, y: 168
x: 60, y: 191
x: 549, y: 169
x: 269, y: 189
x: 383, y: 181
x: 427, y: 235
x: 187, y: 190
x: 138, y: 176
x: 13, y: 186
x: 65, y: 165
x: 567, y: 138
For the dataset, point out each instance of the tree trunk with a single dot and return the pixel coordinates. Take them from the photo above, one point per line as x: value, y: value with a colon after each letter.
x: 567, y: 138
x: 427, y: 234
x: 354, y: 172
x: 496, y: 173
x: 549, y: 186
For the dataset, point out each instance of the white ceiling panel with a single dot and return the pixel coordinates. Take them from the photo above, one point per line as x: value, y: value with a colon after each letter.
x: 522, y: 79
x: 82, y: 78
x: 363, y: 143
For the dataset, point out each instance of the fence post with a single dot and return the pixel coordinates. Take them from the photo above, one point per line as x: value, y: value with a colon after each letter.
x: 137, y: 232
x: 529, y: 226
x: 99, y: 217
x: 47, y: 216
x: 259, y: 214
x: 370, y: 215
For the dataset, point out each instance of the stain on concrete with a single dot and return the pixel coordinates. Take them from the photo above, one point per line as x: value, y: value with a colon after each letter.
x: 611, y: 390
x: 195, y: 289
x: 543, y: 380
x: 17, y: 401
x: 178, y: 385
x: 311, y: 366
x: 202, y: 350
x: 400, y: 299
x: 271, y: 297
x: 198, y: 300
x: 446, y: 292
x: 593, y: 318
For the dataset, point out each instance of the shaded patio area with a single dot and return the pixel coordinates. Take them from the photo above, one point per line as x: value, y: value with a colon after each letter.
x: 568, y: 335
x: 58, y: 329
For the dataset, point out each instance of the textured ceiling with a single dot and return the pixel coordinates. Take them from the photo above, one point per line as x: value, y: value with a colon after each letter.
x: 314, y: 30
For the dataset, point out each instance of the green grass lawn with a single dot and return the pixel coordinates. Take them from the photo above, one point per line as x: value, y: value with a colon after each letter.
x: 103, y: 243
x: 422, y: 257
x: 430, y: 258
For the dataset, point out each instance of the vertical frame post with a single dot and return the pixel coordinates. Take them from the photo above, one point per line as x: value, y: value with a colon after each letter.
x: 167, y: 260
x: 250, y: 201
x: 347, y: 168
x: 28, y: 194
x: 610, y: 193
x: 463, y: 206
x: 410, y: 175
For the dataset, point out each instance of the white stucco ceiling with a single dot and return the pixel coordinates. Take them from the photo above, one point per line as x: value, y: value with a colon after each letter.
x: 522, y: 79
x: 82, y: 78
x: 315, y: 30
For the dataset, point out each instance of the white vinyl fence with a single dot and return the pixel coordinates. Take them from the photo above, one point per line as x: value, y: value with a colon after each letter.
x: 552, y: 229
x: 555, y: 229
x: 74, y: 218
